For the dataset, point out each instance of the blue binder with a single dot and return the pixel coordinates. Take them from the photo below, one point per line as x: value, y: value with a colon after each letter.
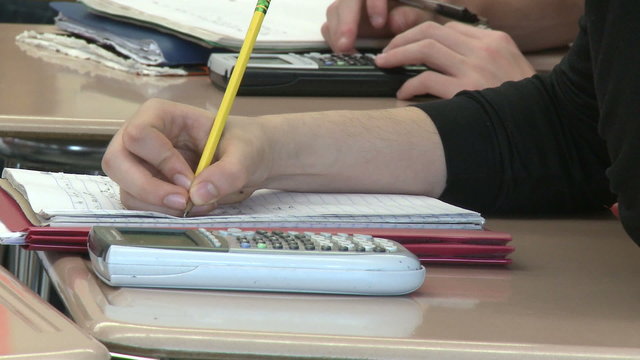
x: 152, y: 46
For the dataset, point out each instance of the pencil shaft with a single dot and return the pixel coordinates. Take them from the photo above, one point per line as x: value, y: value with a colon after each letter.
x: 232, y: 89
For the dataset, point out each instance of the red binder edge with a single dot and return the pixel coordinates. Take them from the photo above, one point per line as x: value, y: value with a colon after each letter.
x: 74, y: 239
x: 11, y: 214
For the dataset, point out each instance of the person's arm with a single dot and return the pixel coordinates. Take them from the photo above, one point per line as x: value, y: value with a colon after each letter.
x: 534, y: 25
x: 381, y: 151
x: 464, y: 57
x: 527, y: 147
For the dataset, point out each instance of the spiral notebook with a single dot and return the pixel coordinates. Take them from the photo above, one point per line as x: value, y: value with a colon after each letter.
x: 56, y: 210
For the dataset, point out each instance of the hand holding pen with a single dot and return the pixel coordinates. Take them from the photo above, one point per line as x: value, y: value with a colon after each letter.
x: 348, y: 20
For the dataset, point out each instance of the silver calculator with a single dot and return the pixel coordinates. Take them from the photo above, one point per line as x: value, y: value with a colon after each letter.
x: 256, y: 260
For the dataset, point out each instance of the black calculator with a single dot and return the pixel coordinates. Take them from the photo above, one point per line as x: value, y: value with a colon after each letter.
x: 311, y: 74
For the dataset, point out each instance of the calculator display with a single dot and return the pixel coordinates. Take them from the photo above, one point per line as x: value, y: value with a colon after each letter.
x: 270, y: 60
x: 159, y: 239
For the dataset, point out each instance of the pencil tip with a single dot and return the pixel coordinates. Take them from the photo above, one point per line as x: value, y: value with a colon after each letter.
x: 188, y: 209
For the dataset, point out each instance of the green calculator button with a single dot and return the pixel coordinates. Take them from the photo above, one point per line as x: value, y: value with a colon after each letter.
x: 262, y: 246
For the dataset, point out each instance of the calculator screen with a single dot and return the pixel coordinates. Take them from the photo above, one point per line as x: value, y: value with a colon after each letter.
x: 159, y: 239
x: 268, y: 60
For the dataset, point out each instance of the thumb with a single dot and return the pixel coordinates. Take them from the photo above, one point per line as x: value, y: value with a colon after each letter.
x: 218, y: 181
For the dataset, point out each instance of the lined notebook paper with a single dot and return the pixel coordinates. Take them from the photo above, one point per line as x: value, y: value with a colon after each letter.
x: 60, y: 199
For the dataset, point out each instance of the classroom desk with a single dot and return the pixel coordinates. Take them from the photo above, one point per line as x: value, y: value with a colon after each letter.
x: 53, y: 96
x: 31, y: 329
x: 571, y: 293
x: 44, y: 94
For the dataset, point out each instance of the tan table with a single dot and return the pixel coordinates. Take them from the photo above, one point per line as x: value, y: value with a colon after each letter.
x: 31, y: 329
x: 571, y: 293
x: 43, y: 94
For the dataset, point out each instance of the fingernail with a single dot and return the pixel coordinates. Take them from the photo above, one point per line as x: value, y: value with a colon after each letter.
x: 182, y: 181
x: 175, y: 201
x: 376, y: 20
x: 204, y: 193
x: 344, y: 44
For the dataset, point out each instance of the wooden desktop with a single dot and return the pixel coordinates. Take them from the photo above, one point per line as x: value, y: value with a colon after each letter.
x: 47, y: 95
x: 571, y: 293
x: 32, y: 329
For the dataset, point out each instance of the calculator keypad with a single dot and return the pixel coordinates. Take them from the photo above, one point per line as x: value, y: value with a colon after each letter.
x: 338, y: 60
x: 308, y: 241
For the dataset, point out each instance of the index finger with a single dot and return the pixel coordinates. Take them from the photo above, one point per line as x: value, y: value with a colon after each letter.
x: 140, y: 184
x: 377, y: 11
x: 149, y: 156
x: 341, y: 29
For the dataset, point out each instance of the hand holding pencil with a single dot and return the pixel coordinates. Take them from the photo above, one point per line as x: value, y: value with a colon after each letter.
x: 232, y: 89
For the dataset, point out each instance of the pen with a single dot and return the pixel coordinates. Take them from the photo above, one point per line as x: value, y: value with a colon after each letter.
x: 232, y: 89
x: 451, y: 11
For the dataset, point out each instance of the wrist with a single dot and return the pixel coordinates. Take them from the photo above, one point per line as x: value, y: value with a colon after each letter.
x: 296, y: 150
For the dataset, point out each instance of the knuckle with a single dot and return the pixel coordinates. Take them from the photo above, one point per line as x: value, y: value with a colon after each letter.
x: 429, y: 26
x: 237, y: 175
x: 501, y: 37
x: 133, y: 135
x: 428, y: 45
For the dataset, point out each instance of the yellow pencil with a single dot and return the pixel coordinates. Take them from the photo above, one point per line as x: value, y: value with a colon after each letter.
x: 232, y: 89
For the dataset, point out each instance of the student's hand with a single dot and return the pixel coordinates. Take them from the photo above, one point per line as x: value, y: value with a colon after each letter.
x: 464, y: 57
x: 350, y: 19
x: 152, y: 156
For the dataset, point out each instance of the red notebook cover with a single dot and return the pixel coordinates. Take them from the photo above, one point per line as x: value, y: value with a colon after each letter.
x: 441, y: 246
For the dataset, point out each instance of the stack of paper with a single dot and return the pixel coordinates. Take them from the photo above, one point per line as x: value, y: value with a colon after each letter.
x: 63, y: 200
x: 289, y: 24
x: 141, y: 44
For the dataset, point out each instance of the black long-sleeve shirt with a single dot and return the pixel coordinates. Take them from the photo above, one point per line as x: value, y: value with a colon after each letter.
x: 567, y: 141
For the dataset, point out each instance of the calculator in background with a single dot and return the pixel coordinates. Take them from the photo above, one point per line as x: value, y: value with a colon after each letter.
x: 311, y: 74
x: 304, y: 262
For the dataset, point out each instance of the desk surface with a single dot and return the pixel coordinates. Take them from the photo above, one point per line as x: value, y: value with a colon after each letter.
x: 572, y: 293
x: 32, y: 329
x: 44, y: 92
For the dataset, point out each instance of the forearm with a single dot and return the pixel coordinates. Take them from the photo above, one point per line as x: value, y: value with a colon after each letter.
x: 534, y: 25
x: 392, y: 151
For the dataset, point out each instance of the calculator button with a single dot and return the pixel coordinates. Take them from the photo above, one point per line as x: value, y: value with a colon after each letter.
x: 215, y: 242
x: 390, y: 247
x: 367, y: 247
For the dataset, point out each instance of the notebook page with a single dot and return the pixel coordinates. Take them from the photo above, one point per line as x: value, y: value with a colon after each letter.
x: 49, y: 191
x: 89, y: 199
x: 226, y: 21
